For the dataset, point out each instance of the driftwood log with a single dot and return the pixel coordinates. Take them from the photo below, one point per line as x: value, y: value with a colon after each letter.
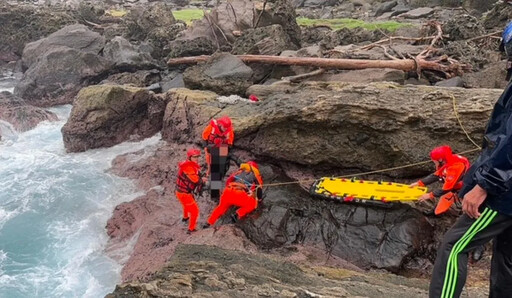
x: 448, y: 66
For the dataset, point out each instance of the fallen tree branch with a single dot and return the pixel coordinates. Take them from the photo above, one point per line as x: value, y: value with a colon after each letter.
x: 388, y: 54
x: 486, y: 35
x: 439, y: 34
x: 391, y: 38
x: 327, y: 63
x: 300, y: 77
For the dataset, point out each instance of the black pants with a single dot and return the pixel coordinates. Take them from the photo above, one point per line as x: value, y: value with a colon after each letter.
x: 450, y: 269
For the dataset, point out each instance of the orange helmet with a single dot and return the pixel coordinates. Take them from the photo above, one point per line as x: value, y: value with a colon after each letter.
x: 193, y: 152
x: 441, y: 153
x: 224, y: 122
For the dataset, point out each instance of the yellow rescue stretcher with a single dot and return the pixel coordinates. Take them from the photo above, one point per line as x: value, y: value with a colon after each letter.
x: 376, y: 193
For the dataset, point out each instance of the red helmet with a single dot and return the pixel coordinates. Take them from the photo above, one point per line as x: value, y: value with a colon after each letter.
x: 253, y: 164
x: 224, y: 122
x: 193, y: 152
x: 441, y: 153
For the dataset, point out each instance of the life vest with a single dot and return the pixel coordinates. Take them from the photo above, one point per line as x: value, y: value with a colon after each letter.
x: 245, y: 180
x: 216, y: 136
x: 453, y: 171
x: 183, y: 182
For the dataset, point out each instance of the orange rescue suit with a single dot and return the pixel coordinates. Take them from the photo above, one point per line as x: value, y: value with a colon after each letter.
x: 451, y: 173
x: 214, y: 136
x: 188, y: 180
x: 239, y: 192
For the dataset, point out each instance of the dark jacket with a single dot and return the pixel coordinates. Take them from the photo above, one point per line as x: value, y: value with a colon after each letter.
x: 493, y: 168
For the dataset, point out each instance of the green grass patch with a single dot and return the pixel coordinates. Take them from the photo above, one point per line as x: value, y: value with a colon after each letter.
x: 188, y: 15
x: 336, y: 24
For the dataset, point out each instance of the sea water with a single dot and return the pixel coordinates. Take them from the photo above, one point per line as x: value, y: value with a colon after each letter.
x: 53, y: 210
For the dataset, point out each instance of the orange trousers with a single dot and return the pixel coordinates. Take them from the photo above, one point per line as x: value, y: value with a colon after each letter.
x: 190, y: 209
x: 233, y: 197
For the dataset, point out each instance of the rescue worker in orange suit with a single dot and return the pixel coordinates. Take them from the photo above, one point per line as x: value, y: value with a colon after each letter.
x: 243, y: 189
x: 450, y: 169
x: 218, y: 137
x: 188, y: 183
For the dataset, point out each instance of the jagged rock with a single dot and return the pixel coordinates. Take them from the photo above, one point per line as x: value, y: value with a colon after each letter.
x: 155, y: 24
x: 240, y: 15
x: 174, y: 80
x: 21, y: 24
x: 191, y: 47
x: 463, y: 27
x: 106, y: 115
x: 374, y: 118
x: 270, y: 40
x: 126, y: 56
x: 77, y: 37
x: 493, y: 76
x: 21, y: 115
x: 206, y: 271
x: 385, y: 7
x: 141, y: 78
x: 418, y: 13
x: 498, y: 17
x: 368, y: 237
x: 346, y: 36
x: 224, y: 74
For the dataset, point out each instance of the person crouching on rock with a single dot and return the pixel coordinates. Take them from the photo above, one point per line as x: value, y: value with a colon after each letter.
x: 188, y: 183
x: 218, y: 138
x: 243, y: 189
x: 450, y: 169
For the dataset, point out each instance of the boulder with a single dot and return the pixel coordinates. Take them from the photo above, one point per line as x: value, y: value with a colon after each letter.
x: 126, y: 56
x: 155, y: 24
x: 174, y: 80
x: 385, y: 7
x: 106, y: 115
x: 232, y: 17
x: 453, y: 82
x: 365, y: 76
x: 77, y: 37
x: 492, y: 76
x: 191, y: 47
x: 59, y: 74
x: 371, y: 120
x: 141, y: 78
x: 417, y: 13
x: 21, y: 115
x: 463, y: 27
x: 367, y: 237
x: 21, y: 24
x: 270, y: 40
x: 224, y: 74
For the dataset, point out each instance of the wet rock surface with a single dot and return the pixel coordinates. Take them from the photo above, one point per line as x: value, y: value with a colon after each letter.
x: 224, y: 74
x: 105, y: 115
x: 21, y: 115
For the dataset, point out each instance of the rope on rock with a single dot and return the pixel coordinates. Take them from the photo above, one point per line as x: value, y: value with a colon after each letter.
x: 478, y: 148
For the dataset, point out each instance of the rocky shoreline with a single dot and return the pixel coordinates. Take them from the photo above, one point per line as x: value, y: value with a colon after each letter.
x: 113, y: 70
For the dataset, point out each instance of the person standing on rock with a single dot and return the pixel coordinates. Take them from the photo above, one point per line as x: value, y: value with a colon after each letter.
x: 243, y: 189
x: 189, y: 181
x: 450, y: 169
x: 218, y: 138
x: 487, y: 212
